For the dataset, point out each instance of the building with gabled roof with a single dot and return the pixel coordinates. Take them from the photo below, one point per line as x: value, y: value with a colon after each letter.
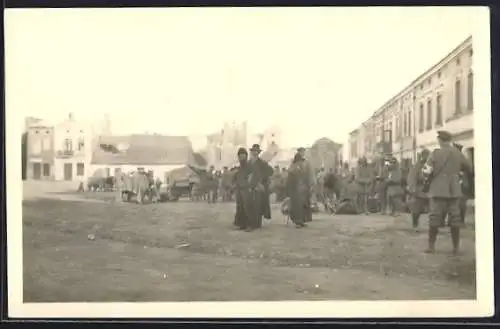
x: 155, y: 152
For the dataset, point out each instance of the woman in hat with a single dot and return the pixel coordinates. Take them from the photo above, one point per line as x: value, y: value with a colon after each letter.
x: 299, y: 188
x: 242, y: 185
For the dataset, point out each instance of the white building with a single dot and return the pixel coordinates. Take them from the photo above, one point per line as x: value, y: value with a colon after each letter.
x: 152, y: 152
x: 441, y: 98
x: 72, y: 149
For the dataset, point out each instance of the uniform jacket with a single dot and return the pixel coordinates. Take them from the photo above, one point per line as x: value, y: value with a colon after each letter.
x: 446, y: 181
x: 394, y: 181
x: 364, y: 175
x: 416, y: 179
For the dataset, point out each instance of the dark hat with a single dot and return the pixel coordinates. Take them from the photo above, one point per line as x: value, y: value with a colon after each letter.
x: 255, y: 148
x: 242, y: 150
x: 444, y: 135
x: 301, y: 149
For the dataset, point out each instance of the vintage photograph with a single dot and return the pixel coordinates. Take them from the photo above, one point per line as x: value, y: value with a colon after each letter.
x: 201, y: 156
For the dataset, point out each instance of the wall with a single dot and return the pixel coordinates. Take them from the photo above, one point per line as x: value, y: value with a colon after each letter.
x: 75, y: 131
x: 40, y: 149
x: 438, y: 80
x: 460, y: 126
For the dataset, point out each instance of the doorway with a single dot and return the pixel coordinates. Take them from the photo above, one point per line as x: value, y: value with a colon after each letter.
x: 68, y: 171
x: 37, y: 170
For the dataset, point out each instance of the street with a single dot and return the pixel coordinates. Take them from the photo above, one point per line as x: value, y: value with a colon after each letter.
x: 86, y: 248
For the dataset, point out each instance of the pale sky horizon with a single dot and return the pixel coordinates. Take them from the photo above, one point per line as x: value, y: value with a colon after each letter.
x: 318, y: 72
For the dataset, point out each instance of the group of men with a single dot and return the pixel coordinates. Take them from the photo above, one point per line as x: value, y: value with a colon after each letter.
x: 438, y: 184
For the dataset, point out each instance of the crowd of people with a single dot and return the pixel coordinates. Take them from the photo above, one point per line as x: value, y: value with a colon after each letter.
x: 439, y: 184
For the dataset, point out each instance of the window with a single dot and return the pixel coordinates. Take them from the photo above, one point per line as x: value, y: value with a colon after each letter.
x: 80, y: 169
x: 81, y: 144
x: 108, y: 171
x: 439, y: 110
x: 68, y: 145
x: 439, y: 74
x: 470, y: 91
x: 46, y: 169
x: 458, y: 61
x: 429, y: 115
x: 410, y: 128
x: 457, y: 97
x: 421, y: 118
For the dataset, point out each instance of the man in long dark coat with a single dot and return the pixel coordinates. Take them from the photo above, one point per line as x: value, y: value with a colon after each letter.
x: 261, y: 173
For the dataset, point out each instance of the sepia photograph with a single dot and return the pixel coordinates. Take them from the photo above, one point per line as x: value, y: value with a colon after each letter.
x: 249, y: 162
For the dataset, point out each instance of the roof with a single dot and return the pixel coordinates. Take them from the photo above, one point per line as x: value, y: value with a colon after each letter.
x: 142, y: 150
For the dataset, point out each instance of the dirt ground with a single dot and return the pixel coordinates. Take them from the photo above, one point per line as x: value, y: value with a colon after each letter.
x: 190, y: 252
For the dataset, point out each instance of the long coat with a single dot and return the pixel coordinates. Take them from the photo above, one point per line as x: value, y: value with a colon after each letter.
x: 261, y: 173
x: 446, y: 182
x: 299, y: 187
x: 243, y: 197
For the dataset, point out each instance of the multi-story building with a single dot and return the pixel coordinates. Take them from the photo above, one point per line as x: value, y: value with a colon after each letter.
x: 39, y: 149
x: 73, y: 150
x: 354, y: 142
x: 440, y: 98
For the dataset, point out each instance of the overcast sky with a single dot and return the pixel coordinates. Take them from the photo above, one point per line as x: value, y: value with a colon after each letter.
x: 319, y: 72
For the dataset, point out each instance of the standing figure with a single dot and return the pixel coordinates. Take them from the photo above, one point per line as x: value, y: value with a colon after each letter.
x: 242, y: 191
x: 259, y: 179
x: 381, y: 184
x: 364, y: 178
x: 394, y: 189
x: 465, y: 185
x: 212, y: 185
x: 419, y: 200
x: 442, y: 172
x: 299, y: 190
x: 320, y: 187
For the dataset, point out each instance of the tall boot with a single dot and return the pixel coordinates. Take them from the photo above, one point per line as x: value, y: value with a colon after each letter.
x: 433, y: 232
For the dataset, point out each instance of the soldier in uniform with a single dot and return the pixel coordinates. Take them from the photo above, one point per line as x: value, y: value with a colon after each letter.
x: 364, y: 178
x: 320, y: 191
x: 394, y: 189
x: 442, y: 171
x: 212, y: 185
x: 418, y: 199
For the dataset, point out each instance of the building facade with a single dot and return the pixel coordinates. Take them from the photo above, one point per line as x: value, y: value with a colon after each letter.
x: 39, y: 151
x: 439, y: 99
x: 152, y: 152
x: 73, y: 150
